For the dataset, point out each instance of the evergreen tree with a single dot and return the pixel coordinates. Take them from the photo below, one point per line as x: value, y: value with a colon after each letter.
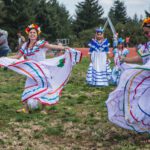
x: 20, y: 13
x: 147, y: 13
x: 60, y: 20
x: 2, y: 11
x: 135, y: 19
x: 133, y: 29
x: 118, y: 12
x: 88, y: 15
x: 54, y: 19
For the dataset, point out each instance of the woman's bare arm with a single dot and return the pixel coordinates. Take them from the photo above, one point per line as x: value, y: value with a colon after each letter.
x: 57, y: 47
x: 135, y: 59
x: 17, y: 56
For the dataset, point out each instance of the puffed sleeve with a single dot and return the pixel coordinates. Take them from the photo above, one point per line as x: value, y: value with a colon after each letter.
x: 106, y: 45
x: 41, y: 43
x: 22, y: 49
x: 91, y: 46
x: 126, y: 52
x: 114, y: 51
x: 144, y: 54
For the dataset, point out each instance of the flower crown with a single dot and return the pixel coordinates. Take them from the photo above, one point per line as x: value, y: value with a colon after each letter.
x: 146, y: 22
x: 33, y: 26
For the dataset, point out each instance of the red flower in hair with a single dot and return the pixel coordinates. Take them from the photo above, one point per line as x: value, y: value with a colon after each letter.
x: 33, y: 26
x: 36, y: 26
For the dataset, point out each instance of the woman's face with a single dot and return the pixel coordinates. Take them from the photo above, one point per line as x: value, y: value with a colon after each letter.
x: 147, y: 32
x: 99, y: 36
x: 33, y: 34
x: 120, y: 45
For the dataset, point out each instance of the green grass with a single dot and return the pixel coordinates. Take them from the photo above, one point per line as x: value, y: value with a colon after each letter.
x: 78, y: 122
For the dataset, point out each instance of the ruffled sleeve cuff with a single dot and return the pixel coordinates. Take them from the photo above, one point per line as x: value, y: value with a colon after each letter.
x: 42, y: 43
x: 21, y: 51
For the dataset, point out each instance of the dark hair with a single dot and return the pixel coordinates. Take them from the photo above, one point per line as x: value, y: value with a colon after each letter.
x: 34, y: 29
x: 28, y: 42
x: 146, y: 25
x: 122, y: 45
x: 19, y: 32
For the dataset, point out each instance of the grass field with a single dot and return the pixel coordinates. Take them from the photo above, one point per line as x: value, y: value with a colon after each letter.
x: 78, y: 122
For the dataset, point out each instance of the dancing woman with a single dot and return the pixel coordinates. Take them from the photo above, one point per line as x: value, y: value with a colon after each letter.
x: 129, y: 105
x: 98, y: 73
x: 118, y: 52
x: 45, y: 77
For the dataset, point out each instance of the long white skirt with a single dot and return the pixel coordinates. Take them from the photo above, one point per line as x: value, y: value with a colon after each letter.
x: 45, y: 79
x: 129, y: 105
x: 99, y: 72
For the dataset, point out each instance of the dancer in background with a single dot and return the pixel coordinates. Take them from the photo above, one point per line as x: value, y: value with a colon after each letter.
x: 4, y: 47
x: 129, y: 104
x: 115, y: 40
x: 21, y: 40
x: 98, y: 73
x: 118, y: 52
x: 45, y: 77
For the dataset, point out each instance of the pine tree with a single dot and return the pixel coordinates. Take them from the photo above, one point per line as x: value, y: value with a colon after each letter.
x: 147, y: 13
x: 53, y: 19
x: 135, y: 19
x: 2, y: 11
x: 88, y: 15
x: 49, y: 15
x: 118, y: 12
x: 20, y: 13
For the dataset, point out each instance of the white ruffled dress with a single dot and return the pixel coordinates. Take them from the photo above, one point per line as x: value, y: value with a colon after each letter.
x: 129, y: 104
x: 45, y: 77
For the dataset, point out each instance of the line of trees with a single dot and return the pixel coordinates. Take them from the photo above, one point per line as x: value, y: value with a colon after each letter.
x: 55, y: 21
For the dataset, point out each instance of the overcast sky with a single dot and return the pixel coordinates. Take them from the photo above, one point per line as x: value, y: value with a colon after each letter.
x: 133, y: 6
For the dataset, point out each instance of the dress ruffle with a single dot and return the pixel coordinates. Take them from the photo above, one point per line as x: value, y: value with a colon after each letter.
x: 45, y: 79
x: 129, y: 106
